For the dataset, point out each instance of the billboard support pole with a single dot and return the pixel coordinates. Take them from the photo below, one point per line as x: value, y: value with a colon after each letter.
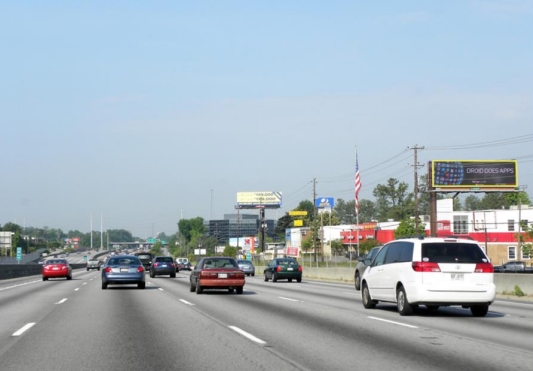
x: 432, y: 204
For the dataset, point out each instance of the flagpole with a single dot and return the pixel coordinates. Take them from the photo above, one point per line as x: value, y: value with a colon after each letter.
x: 357, y: 189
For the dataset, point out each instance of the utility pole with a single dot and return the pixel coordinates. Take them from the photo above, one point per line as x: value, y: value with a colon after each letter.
x: 416, y: 166
x: 91, y: 231
x: 314, y: 235
x: 212, y: 203
x: 101, y: 231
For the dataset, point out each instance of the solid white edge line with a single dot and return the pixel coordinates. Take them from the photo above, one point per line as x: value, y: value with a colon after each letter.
x: 185, y: 302
x: 62, y: 301
x: 76, y: 289
x: 393, y: 322
x: 247, y: 335
x: 23, y: 329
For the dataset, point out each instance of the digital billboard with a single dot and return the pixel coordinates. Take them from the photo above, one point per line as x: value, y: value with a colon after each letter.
x: 474, y: 173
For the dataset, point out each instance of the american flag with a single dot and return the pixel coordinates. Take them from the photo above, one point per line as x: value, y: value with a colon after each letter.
x: 357, y: 184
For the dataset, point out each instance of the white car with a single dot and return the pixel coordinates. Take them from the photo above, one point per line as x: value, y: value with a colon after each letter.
x: 430, y: 271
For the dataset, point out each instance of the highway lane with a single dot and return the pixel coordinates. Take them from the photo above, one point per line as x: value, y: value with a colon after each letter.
x: 306, y: 326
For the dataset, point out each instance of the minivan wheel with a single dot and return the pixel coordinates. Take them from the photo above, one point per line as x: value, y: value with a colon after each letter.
x: 404, y: 308
x: 368, y: 303
x: 357, y: 281
x: 479, y: 310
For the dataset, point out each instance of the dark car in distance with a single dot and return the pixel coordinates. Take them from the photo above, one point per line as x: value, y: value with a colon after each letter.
x: 146, y: 259
x: 283, y: 269
x: 360, y: 267
x: 123, y: 270
x: 512, y: 267
x: 163, y: 265
x: 217, y: 272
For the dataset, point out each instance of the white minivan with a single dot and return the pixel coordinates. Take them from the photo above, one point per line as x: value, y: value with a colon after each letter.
x: 430, y: 271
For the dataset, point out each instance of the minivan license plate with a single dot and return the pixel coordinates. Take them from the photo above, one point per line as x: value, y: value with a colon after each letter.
x: 458, y: 277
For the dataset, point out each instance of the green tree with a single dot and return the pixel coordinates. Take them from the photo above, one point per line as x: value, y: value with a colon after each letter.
x: 393, y: 201
x: 285, y: 222
x: 230, y: 251
x: 188, y: 228
x: 526, y: 238
x: 518, y: 198
x: 407, y: 228
x: 12, y: 227
x: 337, y: 246
x: 345, y: 211
x: 472, y: 203
x: 494, y: 200
x: 157, y: 249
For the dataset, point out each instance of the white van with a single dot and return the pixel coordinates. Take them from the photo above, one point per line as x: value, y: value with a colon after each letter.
x: 430, y: 271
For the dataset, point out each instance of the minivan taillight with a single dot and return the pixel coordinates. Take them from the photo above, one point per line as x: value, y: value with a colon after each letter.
x: 278, y: 268
x: 300, y: 269
x: 425, y: 267
x: 484, y: 268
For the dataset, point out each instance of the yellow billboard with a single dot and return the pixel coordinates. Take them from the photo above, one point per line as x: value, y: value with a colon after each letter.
x: 258, y: 199
x: 297, y: 213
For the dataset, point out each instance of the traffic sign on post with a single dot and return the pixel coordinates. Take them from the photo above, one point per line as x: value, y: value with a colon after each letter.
x: 19, y: 254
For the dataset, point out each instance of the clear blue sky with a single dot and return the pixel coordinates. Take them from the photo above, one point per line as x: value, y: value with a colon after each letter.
x: 146, y: 111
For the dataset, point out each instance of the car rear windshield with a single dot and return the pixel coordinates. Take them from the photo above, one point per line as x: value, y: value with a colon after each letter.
x: 244, y: 262
x: 287, y: 262
x: 165, y: 259
x: 123, y: 261
x: 144, y: 256
x: 56, y: 261
x: 220, y: 263
x: 452, y: 252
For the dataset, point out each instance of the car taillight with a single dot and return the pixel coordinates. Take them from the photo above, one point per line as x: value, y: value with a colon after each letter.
x: 172, y: 265
x: 425, y: 267
x: 64, y: 267
x: 108, y: 270
x: 156, y: 264
x: 278, y: 268
x: 484, y: 268
x: 300, y: 268
x: 140, y: 269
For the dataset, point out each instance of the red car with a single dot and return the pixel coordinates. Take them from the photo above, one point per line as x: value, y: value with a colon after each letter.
x: 56, y: 268
x: 218, y: 272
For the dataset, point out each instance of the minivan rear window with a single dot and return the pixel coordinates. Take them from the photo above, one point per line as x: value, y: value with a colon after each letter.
x: 447, y: 252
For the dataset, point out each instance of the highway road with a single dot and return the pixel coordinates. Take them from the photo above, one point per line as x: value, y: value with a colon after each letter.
x: 74, y: 325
